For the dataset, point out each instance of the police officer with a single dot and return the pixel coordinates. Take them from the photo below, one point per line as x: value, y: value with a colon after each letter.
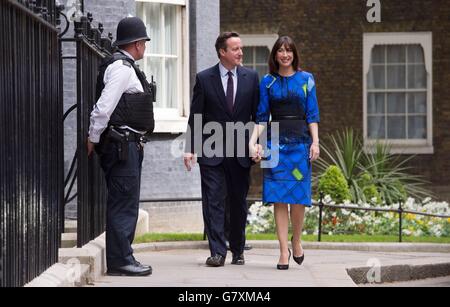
x: 121, y: 118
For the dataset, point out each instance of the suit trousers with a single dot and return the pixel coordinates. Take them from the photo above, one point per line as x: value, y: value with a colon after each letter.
x: 227, y: 180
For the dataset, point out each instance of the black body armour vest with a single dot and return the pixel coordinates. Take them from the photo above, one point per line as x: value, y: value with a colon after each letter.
x: 133, y: 110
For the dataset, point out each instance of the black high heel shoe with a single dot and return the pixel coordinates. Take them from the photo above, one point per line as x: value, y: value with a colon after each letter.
x: 300, y: 259
x: 284, y: 267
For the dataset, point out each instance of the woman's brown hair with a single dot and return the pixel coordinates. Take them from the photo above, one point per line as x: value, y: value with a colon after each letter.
x: 290, y: 45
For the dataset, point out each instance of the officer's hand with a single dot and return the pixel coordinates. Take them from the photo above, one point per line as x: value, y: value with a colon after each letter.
x: 90, y: 147
x: 189, y: 161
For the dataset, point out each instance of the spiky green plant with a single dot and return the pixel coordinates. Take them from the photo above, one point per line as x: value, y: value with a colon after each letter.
x: 388, y: 173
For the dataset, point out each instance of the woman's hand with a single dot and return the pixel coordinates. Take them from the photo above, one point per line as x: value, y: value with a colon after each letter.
x: 256, y: 152
x: 314, y: 152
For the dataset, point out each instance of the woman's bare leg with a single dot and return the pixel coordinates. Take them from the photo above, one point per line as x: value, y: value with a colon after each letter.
x: 297, y: 220
x: 282, y: 225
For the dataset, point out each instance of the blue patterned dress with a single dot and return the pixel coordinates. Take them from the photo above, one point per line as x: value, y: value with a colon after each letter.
x: 289, y: 180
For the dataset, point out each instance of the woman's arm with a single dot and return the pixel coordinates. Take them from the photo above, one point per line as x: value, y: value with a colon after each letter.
x: 262, y: 116
x: 314, y: 152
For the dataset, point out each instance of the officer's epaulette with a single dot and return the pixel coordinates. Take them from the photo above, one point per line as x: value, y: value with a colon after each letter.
x: 126, y: 63
x: 272, y: 82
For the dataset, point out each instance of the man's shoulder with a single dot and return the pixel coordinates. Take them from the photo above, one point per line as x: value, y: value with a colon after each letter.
x: 248, y: 70
x: 208, y: 72
x: 120, y: 65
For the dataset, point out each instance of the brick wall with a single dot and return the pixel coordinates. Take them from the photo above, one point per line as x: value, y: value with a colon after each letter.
x: 330, y: 37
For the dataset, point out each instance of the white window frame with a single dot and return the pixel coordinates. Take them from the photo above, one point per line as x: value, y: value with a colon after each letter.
x: 425, y: 39
x: 175, y: 120
x: 259, y: 40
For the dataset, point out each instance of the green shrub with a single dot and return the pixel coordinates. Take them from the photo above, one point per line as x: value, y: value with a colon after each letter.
x: 333, y: 183
x: 369, y: 189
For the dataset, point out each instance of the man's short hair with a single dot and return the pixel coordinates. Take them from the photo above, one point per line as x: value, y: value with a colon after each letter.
x: 221, y: 42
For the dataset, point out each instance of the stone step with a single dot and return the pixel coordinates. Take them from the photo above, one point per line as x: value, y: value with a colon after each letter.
x: 68, y: 240
x: 70, y: 226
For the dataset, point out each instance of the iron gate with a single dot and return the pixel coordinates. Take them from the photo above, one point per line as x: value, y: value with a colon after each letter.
x: 31, y: 134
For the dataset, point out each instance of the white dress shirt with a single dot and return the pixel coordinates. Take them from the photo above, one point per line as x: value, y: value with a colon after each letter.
x: 224, y: 77
x: 119, y: 79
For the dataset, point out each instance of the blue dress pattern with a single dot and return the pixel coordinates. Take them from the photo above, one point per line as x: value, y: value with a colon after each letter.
x: 289, y: 180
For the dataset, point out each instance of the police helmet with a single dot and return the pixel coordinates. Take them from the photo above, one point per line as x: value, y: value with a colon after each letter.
x: 129, y: 30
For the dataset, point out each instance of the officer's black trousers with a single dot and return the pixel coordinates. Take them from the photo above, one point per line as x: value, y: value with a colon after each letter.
x: 123, y: 179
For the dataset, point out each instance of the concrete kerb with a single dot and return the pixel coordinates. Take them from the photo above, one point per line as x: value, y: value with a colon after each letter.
x: 61, y: 275
x: 362, y: 247
x: 399, y: 273
x: 92, y: 254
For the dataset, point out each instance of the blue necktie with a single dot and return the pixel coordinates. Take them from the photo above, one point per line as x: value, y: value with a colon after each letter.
x: 230, y: 92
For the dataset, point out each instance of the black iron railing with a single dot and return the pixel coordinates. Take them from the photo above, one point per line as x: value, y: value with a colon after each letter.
x: 31, y: 153
x: 400, y: 211
x: 91, y: 194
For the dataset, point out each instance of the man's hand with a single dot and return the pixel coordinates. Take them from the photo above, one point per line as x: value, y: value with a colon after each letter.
x: 90, y: 147
x: 189, y: 161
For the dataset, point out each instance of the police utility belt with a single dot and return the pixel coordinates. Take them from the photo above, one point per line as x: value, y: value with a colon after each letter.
x: 121, y: 138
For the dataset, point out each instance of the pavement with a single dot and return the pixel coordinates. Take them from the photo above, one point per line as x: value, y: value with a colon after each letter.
x: 185, y: 267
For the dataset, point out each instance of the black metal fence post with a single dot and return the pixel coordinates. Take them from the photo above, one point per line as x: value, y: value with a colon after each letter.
x: 321, y: 206
x: 400, y: 228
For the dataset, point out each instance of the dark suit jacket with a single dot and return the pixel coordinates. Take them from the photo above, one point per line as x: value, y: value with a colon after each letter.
x: 210, y: 102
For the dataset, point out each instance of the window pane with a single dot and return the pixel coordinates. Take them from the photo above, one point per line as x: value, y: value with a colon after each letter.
x: 153, y: 68
x: 262, y: 55
x: 415, y: 54
x: 248, y: 56
x: 396, y: 127
x: 376, y: 127
x: 379, y: 55
x: 376, y: 78
x: 396, y: 54
x: 376, y: 104
x: 170, y: 26
x: 171, y: 82
x: 152, y: 16
x: 417, y: 127
x: 396, y: 77
x: 396, y: 103
x: 262, y: 71
x: 417, y: 103
x: 417, y: 76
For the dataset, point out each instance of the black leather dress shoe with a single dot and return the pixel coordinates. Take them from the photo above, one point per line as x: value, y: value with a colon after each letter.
x: 215, y: 261
x: 130, y: 270
x: 145, y: 266
x: 238, y: 260
x: 140, y: 264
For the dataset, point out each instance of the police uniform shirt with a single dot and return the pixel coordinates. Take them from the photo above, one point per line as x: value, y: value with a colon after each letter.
x: 119, y: 78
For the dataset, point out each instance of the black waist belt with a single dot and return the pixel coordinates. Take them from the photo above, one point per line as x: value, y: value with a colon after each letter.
x: 124, y: 135
x: 287, y: 117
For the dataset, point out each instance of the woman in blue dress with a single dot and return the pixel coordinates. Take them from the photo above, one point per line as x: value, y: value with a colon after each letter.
x: 288, y: 97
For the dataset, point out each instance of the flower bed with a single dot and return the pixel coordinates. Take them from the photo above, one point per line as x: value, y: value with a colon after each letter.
x: 342, y: 221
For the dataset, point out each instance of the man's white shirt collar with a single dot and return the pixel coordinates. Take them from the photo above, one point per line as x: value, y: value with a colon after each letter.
x: 224, y: 71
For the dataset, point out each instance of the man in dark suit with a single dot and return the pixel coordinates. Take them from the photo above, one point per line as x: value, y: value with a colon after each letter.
x: 224, y: 95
